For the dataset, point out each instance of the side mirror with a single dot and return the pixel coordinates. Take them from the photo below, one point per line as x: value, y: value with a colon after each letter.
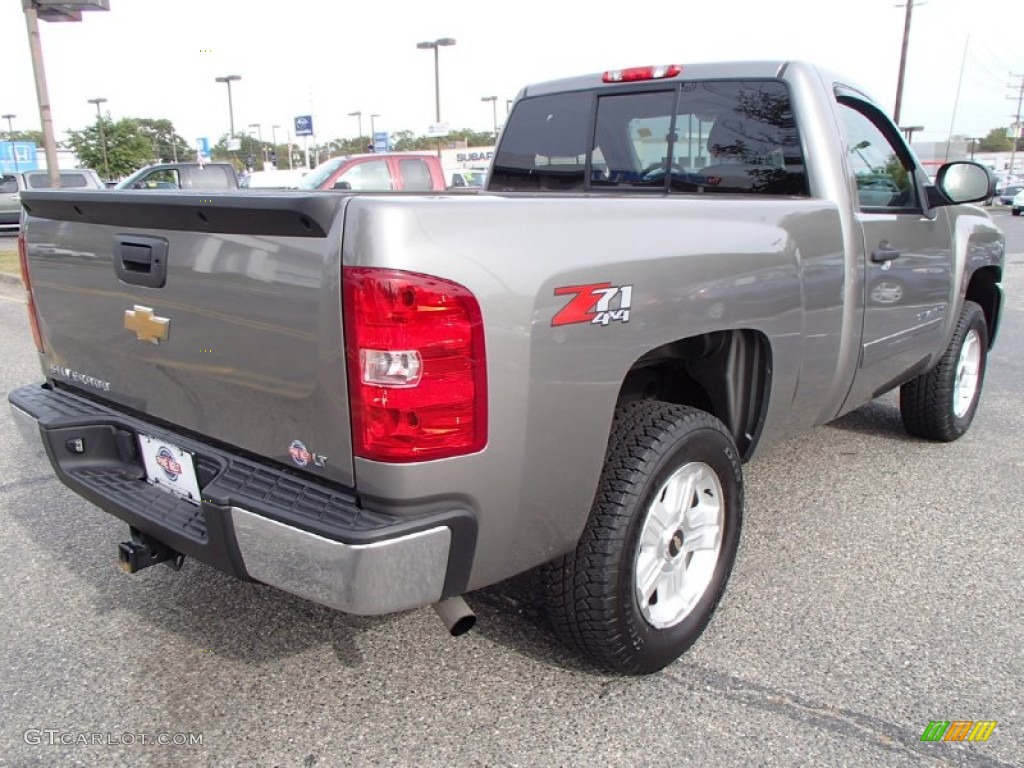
x: 341, y: 185
x: 965, y: 182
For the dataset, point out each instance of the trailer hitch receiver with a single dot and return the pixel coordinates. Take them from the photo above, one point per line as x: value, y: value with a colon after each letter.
x: 142, y: 551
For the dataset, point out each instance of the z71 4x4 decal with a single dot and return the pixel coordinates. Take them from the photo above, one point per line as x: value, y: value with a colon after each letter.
x: 593, y: 304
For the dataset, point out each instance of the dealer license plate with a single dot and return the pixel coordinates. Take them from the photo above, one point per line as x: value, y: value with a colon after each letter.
x: 170, y: 468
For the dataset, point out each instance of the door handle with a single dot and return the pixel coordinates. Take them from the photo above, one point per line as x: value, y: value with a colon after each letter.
x: 140, y: 260
x: 884, y: 252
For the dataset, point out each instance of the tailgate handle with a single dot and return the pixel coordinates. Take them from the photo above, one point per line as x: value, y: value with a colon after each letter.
x: 141, y: 260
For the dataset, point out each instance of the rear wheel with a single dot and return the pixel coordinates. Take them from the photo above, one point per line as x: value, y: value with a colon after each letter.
x: 940, y: 405
x: 657, y: 550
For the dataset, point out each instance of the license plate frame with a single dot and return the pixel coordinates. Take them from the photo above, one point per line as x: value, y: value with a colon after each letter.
x: 170, y: 468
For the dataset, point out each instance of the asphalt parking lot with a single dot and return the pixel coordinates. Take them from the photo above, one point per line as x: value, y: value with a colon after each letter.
x: 878, y: 587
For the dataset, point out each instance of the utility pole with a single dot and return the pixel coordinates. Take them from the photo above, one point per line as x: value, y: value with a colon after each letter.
x: 1016, y: 123
x: 903, y: 63
x: 45, y: 114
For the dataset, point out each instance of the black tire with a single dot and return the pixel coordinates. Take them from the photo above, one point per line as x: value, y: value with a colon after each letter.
x: 928, y: 403
x: 590, y: 594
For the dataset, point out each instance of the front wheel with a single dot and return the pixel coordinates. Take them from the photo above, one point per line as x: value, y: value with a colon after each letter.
x: 940, y: 405
x: 660, y: 542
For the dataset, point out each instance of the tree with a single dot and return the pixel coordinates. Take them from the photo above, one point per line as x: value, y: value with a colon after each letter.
x: 34, y: 136
x: 996, y: 141
x: 167, y: 145
x: 129, y: 146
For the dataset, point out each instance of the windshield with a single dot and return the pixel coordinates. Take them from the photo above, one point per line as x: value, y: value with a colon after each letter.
x: 316, y: 178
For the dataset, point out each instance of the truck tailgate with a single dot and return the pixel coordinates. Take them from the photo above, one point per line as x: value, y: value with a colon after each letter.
x: 216, y: 314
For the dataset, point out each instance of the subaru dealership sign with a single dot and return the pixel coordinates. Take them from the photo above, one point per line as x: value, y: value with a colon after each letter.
x: 304, y: 125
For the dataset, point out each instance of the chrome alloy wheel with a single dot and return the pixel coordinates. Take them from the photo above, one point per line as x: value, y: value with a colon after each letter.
x: 968, y: 368
x: 680, y: 544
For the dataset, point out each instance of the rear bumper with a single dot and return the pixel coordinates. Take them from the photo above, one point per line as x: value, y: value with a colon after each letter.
x: 255, y: 521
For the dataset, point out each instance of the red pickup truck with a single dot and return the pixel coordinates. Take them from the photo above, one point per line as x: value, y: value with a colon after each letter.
x: 397, y: 171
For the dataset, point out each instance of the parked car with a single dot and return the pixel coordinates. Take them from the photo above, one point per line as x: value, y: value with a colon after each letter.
x: 11, y: 185
x: 394, y: 171
x: 1009, y: 192
x: 1017, y: 203
x: 208, y: 176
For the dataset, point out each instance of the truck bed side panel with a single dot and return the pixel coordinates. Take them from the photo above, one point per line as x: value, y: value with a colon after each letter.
x: 693, y: 265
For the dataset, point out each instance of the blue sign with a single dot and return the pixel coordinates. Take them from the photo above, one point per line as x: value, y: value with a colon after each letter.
x: 380, y: 141
x: 304, y: 125
x: 203, y: 146
x: 18, y: 156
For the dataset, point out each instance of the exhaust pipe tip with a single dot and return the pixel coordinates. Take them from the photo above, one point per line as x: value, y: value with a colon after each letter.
x: 458, y: 617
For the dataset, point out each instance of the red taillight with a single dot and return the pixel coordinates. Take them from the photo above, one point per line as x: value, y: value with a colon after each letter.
x: 33, y: 316
x: 633, y: 74
x: 416, y: 366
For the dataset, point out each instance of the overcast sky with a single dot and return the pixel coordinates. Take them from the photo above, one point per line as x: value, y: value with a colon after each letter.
x: 328, y: 57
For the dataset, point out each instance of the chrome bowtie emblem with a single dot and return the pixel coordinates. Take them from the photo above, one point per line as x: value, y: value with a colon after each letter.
x: 146, y: 325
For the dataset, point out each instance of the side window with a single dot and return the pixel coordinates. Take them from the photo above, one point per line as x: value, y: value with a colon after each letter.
x: 415, y: 175
x: 8, y: 184
x: 162, y: 179
x: 880, y: 166
x: 369, y: 175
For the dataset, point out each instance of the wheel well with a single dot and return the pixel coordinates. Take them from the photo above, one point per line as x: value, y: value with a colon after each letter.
x: 982, y: 290
x: 726, y: 373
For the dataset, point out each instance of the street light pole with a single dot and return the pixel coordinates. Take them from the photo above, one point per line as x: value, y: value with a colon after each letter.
x: 494, y: 111
x: 103, y: 136
x: 273, y: 133
x: 10, y: 137
x: 359, y: 116
x: 259, y: 133
x: 436, y: 45
x: 231, y: 107
x: 373, y: 128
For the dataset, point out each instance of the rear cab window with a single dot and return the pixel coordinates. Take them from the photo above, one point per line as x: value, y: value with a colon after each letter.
x: 210, y: 177
x: 67, y: 180
x: 693, y: 137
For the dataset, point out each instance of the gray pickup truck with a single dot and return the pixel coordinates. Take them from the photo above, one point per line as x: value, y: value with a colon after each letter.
x: 381, y: 402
